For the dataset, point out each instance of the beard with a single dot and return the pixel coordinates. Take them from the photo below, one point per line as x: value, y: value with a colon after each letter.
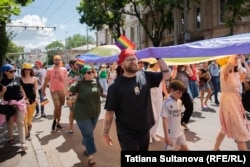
x: 131, y: 68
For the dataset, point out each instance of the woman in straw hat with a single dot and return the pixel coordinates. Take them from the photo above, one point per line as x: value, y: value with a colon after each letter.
x: 29, y: 84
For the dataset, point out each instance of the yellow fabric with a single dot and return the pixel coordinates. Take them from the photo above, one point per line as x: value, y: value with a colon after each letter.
x: 191, y: 60
x: 26, y: 66
x: 29, y: 116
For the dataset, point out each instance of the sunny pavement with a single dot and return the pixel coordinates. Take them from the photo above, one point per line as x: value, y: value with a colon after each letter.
x: 59, y: 149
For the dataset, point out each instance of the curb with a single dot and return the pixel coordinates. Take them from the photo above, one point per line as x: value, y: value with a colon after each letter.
x: 40, y: 155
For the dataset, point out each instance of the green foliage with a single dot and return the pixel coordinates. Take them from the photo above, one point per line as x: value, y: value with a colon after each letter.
x: 78, y: 40
x: 235, y: 10
x: 7, y: 9
x: 97, y: 14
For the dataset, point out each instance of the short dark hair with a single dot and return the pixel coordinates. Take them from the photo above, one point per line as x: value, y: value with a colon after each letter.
x: 177, y: 85
x: 72, y: 62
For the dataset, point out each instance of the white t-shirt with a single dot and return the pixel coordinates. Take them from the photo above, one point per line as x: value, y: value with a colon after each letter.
x: 172, y: 110
x: 40, y: 75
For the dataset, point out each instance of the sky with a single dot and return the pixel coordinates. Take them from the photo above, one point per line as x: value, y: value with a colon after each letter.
x: 61, y: 14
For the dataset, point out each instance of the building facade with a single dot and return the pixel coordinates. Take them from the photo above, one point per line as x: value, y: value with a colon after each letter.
x: 203, y: 21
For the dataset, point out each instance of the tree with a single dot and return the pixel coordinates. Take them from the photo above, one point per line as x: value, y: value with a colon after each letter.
x: 78, y: 40
x: 234, y: 10
x: 97, y: 14
x: 8, y: 8
x: 14, y: 52
x: 53, y: 48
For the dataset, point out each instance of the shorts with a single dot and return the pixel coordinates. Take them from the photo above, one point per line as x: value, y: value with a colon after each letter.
x: 58, y: 98
x: 176, y: 143
x: 206, y: 86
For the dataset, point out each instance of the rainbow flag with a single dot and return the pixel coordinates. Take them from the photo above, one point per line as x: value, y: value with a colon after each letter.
x: 80, y: 62
x: 123, y: 43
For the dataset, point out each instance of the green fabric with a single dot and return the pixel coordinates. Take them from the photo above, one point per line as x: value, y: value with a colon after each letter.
x: 85, y: 68
x: 88, y: 103
x: 103, y: 74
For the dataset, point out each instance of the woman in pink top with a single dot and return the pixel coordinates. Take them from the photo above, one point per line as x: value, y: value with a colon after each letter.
x: 232, y: 116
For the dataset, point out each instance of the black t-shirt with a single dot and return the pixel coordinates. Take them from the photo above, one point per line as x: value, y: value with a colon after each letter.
x: 13, y: 89
x: 132, y: 104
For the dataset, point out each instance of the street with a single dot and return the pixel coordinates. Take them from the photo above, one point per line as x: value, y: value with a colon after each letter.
x: 59, y: 149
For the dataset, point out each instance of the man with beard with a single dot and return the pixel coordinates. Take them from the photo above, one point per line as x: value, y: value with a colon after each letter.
x: 56, y: 76
x: 130, y: 100
x: 73, y: 76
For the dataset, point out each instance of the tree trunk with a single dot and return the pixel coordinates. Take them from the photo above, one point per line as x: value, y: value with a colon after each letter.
x: 3, y: 43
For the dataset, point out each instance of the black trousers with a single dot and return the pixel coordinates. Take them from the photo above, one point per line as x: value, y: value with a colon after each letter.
x: 131, y: 141
x: 189, y: 107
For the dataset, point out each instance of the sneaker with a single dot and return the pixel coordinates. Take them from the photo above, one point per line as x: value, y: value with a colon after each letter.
x: 37, y: 114
x: 53, y: 129
x: 184, y: 125
x: 59, y: 127
x: 71, y: 132
x: 155, y: 138
x: 43, y: 115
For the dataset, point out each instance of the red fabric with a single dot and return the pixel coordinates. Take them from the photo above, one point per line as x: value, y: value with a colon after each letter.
x: 39, y: 62
x: 124, y: 54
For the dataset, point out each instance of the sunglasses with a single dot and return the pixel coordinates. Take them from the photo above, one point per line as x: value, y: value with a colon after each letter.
x: 57, y: 60
x: 89, y: 72
x: 12, y: 71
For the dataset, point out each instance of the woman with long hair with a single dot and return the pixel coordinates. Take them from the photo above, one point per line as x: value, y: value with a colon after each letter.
x: 29, y: 84
x: 233, y: 121
x: 13, y: 94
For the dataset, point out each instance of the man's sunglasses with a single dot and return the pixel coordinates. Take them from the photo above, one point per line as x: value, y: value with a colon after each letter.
x: 12, y: 71
x: 57, y: 60
x: 89, y: 72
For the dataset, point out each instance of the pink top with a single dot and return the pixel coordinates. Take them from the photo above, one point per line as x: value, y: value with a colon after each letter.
x: 56, y: 77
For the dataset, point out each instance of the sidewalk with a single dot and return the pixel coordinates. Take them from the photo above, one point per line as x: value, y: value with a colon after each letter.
x: 59, y: 149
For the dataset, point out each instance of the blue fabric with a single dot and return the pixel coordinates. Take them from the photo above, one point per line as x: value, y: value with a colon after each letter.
x: 7, y: 67
x: 235, y: 44
x: 87, y: 129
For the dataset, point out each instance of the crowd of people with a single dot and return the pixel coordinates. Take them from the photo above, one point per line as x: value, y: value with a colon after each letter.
x: 137, y: 93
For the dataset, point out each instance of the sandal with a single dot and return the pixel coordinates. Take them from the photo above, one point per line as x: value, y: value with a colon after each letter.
x: 91, y: 161
x: 24, y: 147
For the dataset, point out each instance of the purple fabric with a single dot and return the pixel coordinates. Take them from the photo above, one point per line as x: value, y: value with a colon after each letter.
x: 236, y: 44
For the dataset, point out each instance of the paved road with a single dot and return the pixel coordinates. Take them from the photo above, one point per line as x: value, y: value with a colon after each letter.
x: 59, y: 149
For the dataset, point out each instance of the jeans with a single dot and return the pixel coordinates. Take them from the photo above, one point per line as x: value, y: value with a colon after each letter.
x: 87, y: 129
x: 104, y: 84
x: 216, y: 84
x: 193, y: 88
x: 41, y: 98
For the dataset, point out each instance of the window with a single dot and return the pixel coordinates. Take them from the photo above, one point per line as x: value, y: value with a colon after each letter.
x: 197, y: 18
x: 182, y: 22
x: 132, y: 34
x: 222, y: 7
